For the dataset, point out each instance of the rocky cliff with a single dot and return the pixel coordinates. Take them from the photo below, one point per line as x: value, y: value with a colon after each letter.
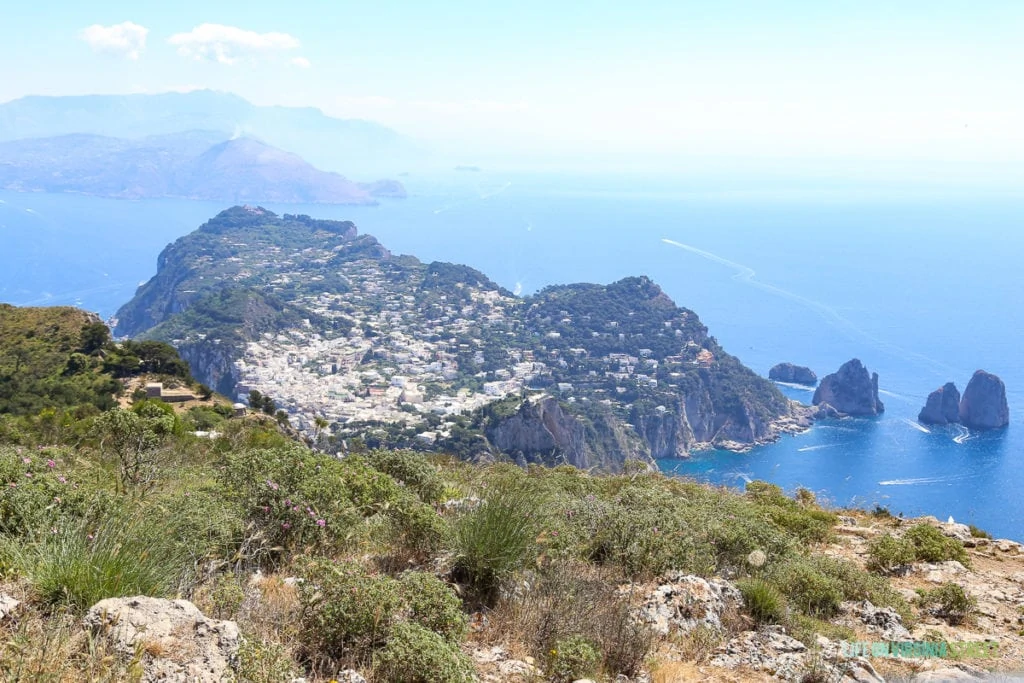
x: 796, y: 374
x: 543, y: 432
x: 983, y: 405
x: 851, y: 390
x: 942, y: 407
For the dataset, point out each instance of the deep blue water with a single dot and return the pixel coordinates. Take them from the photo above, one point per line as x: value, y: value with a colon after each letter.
x: 923, y: 287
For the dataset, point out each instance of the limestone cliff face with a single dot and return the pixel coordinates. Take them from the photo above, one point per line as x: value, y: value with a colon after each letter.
x: 543, y: 432
x: 942, y: 407
x: 796, y: 374
x: 213, y: 364
x: 851, y: 390
x: 983, y: 405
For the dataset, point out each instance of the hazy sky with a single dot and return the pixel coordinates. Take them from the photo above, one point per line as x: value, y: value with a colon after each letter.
x: 898, y: 80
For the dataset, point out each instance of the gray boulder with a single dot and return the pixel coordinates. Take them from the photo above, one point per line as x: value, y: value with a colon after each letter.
x: 851, y: 390
x: 682, y: 602
x: 942, y: 407
x: 191, y: 647
x: 796, y: 374
x: 983, y: 405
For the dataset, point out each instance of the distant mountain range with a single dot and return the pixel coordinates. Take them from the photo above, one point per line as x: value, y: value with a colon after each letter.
x: 352, y: 146
x: 195, y: 164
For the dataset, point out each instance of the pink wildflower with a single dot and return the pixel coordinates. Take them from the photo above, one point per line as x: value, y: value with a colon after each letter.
x: 27, y: 461
x: 51, y: 464
x: 286, y: 525
x: 62, y: 480
x: 321, y: 522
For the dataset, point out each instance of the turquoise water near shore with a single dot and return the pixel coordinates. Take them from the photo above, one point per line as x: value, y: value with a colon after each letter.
x: 923, y: 287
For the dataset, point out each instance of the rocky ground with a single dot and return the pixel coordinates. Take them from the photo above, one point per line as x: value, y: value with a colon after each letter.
x: 701, y: 630
x: 704, y: 638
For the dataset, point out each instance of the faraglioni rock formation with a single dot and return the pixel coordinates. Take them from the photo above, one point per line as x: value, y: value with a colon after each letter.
x: 942, y: 407
x: 796, y: 374
x: 983, y: 405
x: 851, y: 391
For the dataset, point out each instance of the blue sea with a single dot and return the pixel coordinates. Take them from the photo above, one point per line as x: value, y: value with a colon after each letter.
x: 923, y: 286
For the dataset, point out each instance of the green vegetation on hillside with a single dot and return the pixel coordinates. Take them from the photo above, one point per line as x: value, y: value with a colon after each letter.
x: 64, y: 358
x: 397, y: 552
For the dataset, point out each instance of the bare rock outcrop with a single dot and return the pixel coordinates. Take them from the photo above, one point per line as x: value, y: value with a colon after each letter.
x: 983, y: 405
x: 772, y: 651
x: 681, y: 603
x: 191, y: 647
x: 851, y: 390
x: 795, y: 374
x: 942, y: 407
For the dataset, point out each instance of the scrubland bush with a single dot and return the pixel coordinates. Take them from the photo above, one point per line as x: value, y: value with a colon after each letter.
x: 415, y: 654
x: 886, y: 553
x: 951, y: 602
x: 349, y: 613
x: 930, y: 545
x: 572, y: 658
x: 411, y: 469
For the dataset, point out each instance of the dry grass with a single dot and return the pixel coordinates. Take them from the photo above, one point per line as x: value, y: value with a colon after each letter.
x: 55, y: 649
x: 571, y: 600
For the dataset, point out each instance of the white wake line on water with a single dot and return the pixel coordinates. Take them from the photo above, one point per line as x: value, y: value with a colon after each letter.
x: 746, y: 275
x: 963, y: 434
x: 915, y: 425
x: 924, y: 480
x: 819, y: 447
x: 793, y: 385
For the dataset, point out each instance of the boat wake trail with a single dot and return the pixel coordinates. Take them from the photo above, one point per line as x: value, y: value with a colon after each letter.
x: 798, y: 387
x: 963, y: 434
x: 747, y: 276
x: 915, y: 425
x: 807, y: 449
x: 922, y: 480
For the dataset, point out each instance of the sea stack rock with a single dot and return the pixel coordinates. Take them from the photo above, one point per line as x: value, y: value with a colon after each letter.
x: 851, y: 390
x: 943, y: 406
x: 795, y: 374
x: 984, y: 403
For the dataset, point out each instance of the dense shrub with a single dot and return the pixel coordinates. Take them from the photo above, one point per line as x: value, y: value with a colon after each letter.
x: 413, y: 470
x: 571, y: 659
x: 809, y: 589
x: 417, y: 529
x: 295, y: 498
x: 349, y: 613
x: 930, y: 545
x: 887, y: 553
x: 346, y: 611
x: 37, y: 491
x: 763, y: 601
x: 951, y: 602
x: 803, y: 518
x: 432, y: 604
x: 815, y: 585
x: 415, y: 654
